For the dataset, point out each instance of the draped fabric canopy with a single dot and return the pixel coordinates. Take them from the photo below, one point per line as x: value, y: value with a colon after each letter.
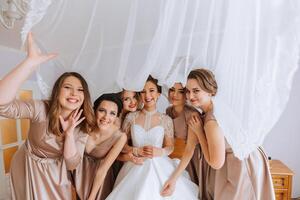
x: 252, y: 46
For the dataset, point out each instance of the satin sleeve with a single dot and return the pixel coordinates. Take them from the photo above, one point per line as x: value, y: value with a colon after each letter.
x: 74, y: 161
x: 34, y: 110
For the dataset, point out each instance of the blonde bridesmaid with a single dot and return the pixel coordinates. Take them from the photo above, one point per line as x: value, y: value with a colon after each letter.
x: 221, y: 174
x: 131, y: 101
x: 180, y: 113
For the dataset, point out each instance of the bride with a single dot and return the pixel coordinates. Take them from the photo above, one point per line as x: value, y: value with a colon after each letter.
x: 151, y: 133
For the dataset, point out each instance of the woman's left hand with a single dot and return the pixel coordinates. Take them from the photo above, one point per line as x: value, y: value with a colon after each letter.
x: 73, y: 120
x: 34, y: 55
x: 168, y: 188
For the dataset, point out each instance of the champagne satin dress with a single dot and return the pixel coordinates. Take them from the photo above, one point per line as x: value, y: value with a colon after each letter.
x: 248, y: 179
x: 85, y: 173
x: 180, y: 135
x: 38, y: 168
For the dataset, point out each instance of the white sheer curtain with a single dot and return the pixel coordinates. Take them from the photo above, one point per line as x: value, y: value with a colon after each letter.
x: 251, y: 45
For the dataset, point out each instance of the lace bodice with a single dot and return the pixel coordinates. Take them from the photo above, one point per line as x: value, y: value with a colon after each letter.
x: 140, y: 137
x: 153, y: 135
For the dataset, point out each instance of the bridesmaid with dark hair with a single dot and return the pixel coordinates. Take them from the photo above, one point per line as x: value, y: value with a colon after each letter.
x: 94, y: 178
x: 221, y: 174
x: 54, y: 144
x: 181, y: 113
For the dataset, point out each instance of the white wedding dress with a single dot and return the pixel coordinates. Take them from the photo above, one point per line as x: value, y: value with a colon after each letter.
x: 145, y: 182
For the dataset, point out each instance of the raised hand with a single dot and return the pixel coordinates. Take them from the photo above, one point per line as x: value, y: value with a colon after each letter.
x: 34, y: 55
x: 11, y: 82
x: 168, y: 188
x: 73, y: 120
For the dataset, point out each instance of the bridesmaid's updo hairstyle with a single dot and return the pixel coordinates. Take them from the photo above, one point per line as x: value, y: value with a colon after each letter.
x: 206, y: 80
x: 54, y: 108
x: 113, y: 97
x: 155, y: 82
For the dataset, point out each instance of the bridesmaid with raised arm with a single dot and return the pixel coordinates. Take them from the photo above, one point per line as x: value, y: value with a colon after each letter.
x: 221, y: 174
x: 39, y: 167
x: 94, y: 178
x: 180, y: 113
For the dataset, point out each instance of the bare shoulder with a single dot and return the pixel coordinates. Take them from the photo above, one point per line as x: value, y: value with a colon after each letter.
x: 212, y: 126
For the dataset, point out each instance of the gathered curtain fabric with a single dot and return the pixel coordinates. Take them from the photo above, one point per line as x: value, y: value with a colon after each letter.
x: 252, y: 46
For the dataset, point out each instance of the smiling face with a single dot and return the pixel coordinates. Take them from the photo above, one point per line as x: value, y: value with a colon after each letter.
x: 71, y: 94
x: 129, y: 100
x: 106, y: 114
x: 177, y: 95
x: 149, y: 95
x: 196, y: 95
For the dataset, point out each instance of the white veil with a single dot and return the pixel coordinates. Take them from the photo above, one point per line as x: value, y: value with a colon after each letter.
x: 252, y: 46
